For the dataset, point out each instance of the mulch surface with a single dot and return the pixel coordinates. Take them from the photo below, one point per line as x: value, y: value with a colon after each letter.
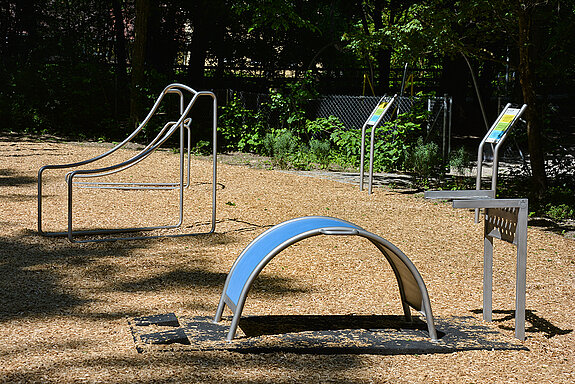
x: 324, y: 310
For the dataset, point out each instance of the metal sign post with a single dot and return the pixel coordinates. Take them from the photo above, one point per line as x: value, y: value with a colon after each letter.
x: 375, y: 118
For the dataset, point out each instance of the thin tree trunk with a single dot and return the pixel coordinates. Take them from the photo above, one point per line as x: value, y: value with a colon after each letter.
x: 527, y: 80
x: 120, y: 53
x: 139, y: 58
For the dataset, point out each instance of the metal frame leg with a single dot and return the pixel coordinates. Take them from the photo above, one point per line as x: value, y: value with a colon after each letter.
x: 487, y: 278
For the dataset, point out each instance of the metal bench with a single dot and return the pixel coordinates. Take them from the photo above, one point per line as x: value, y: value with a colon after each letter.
x: 504, y: 219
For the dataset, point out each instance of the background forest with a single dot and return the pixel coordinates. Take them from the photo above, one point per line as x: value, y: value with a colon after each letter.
x: 90, y: 69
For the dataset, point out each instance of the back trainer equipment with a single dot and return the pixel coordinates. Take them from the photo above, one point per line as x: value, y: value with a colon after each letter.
x: 270, y: 243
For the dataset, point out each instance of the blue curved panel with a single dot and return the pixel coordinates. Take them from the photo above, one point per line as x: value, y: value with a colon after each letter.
x: 258, y: 249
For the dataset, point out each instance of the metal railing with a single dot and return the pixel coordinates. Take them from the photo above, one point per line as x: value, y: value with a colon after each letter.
x: 169, y: 128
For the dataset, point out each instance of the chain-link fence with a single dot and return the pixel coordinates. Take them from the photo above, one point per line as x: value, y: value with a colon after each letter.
x: 352, y: 111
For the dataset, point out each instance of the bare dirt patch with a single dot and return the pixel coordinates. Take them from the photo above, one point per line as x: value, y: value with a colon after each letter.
x: 64, y: 308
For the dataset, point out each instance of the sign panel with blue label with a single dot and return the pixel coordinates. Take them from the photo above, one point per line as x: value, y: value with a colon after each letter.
x: 502, y: 126
x: 380, y: 110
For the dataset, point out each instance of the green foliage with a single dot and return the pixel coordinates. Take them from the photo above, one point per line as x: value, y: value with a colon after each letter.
x: 459, y: 161
x: 395, y: 140
x: 559, y: 203
x: 459, y: 164
x: 282, y: 146
x: 347, y: 144
x: 287, y: 106
x: 560, y: 212
x: 323, y: 126
x: 202, y: 147
x: 320, y: 150
x: 425, y: 160
x: 241, y: 129
x: 279, y: 15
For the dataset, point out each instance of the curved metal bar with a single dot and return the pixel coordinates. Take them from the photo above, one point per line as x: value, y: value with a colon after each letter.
x: 131, y: 164
x: 165, y: 133
x: 141, y: 155
x: 124, y: 142
x: 99, y: 157
x: 412, y: 288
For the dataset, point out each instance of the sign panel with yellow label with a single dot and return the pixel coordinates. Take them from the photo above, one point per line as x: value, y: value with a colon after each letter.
x: 377, y: 114
x: 501, y: 127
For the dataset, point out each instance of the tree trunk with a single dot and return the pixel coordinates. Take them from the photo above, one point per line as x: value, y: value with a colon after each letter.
x: 527, y: 80
x: 382, y: 56
x: 198, y: 54
x: 120, y: 53
x: 162, y: 49
x: 139, y: 58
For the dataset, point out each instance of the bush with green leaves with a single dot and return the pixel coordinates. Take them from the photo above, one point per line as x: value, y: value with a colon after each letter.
x: 459, y: 166
x: 395, y: 140
x: 560, y: 212
x: 320, y: 150
x: 240, y: 128
x: 293, y: 140
x: 459, y: 161
x: 286, y: 106
x: 282, y: 145
x: 346, y: 146
x: 425, y: 160
x: 322, y: 127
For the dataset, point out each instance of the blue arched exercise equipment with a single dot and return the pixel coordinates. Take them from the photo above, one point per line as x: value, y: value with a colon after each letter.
x: 266, y: 246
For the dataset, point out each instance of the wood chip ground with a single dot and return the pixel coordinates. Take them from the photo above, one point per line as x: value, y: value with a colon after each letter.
x: 65, y: 308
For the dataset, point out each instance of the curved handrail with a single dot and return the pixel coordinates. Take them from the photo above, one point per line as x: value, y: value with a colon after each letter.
x: 129, y: 138
x: 145, y: 149
x: 144, y: 153
x: 163, y: 135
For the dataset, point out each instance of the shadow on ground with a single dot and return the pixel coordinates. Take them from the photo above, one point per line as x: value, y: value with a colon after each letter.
x: 320, y: 335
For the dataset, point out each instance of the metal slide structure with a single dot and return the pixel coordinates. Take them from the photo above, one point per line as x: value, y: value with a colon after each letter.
x: 85, y: 174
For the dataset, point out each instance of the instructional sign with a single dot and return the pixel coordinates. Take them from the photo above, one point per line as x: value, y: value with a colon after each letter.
x: 502, y: 126
x: 380, y: 110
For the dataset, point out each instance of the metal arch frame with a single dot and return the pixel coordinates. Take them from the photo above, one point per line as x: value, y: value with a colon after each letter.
x: 399, y: 262
x: 165, y: 133
x: 372, y: 142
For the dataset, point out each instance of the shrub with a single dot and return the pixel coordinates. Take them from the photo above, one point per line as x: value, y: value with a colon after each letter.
x: 346, y: 146
x: 560, y: 212
x: 320, y: 150
x: 424, y: 160
x: 459, y: 164
x: 240, y: 128
x: 459, y: 161
x: 281, y: 145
